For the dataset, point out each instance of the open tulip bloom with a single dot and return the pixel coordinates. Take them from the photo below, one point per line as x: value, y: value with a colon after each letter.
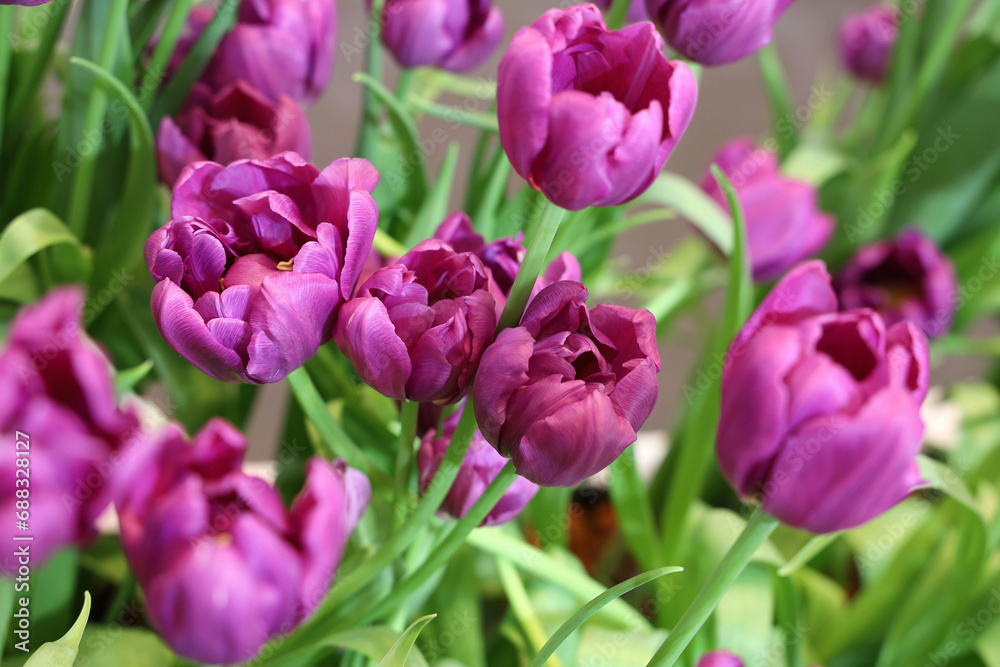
x: 553, y: 367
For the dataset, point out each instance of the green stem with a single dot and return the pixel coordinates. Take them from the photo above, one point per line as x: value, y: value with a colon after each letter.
x: 32, y: 73
x: 524, y: 609
x: 616, y: 15
x: 79, y: 202
x: 531, y: 267
x: 778, y: 96
x: 6, y: 24
x: 338, y: 443
x: 371, y: 107
x: 153, y: 75
x: 477, y: 119
x: 756, y: 532
x: 404, y: 457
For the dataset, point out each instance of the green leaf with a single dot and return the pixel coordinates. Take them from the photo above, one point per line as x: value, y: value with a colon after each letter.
x: 6, y: 609
x: 116, y: 646
x: 739, y: 295
x: 592, y: 607
x: 779, y: 96
x: 31, y: 232
x: 691, y: 202
x: 127, y: 379
x: 634, y: 510
x: 435, y: 205
x: 400, y: 651
x: 63, y: 651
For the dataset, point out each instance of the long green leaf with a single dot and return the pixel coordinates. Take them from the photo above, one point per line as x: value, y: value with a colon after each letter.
x: 778, y: 96
x: 694, y: 205
x: 397, y: 655
x: 62, y: 652
x: 435, y: 205
x: 592, y: 607
x: 31, y: 232
x: 634, y: 510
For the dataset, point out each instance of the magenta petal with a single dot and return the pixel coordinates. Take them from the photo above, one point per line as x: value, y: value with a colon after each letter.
x: 479, y: 45
x: 503, y: 368
x: 524, y: 91
x: 174, y: 151
x: 367, y: 337
x: 362, y: 221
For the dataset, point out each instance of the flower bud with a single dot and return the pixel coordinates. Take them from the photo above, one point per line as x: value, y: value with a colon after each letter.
x: 867, y: 40
x: 564, y: 393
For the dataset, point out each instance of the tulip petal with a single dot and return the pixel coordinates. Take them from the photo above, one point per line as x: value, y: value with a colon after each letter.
x: 524, y: 92
x: 368, y: 338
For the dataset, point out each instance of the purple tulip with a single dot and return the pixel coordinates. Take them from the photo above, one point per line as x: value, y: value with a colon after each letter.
x: 278, y: 47
x: 717, y: 32
x: 257, y: 260
x: 455, y: 35
x: 720, y: 659
x: 224, y: 566
x: 783, y: 222
x: 564, y: 393
x: 588, y: 115
x: 417, y: 329
x: 502, y: 257
x: 867, y: 40
x: 481, y: 466
x: 907, y: 278
x: 238, y: 123
x: 820, y: 415
x: 65, y: 435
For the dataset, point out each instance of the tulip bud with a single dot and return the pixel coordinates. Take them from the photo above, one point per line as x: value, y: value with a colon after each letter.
x: 717, y: 32
x: 417, y: 329
x: 257, y: 259
x: 224, y: 566
x: 720, y: 659
x: 278, y: 47
x: 454, y: 35
x: 783, y: 222
x: 64, y: 431
x: 237, y: 123
x: 564, y: 393
x: 907, y: 278
x: 867, y: 40
x: 481, y: 466
x: 588, y: 115
x: 820, y: 416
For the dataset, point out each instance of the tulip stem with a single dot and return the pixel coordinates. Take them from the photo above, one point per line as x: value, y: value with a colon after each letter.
x: 371, y: 106
x: 6, y: 28
x: 538, y: 250
x: 404, y: 457
x: 754, y: 534
x: 617, y: 14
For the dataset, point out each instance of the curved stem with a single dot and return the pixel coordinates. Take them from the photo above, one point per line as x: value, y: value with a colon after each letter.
x: 531, y: 267
x: 756, y: 532
x: 404, y: 457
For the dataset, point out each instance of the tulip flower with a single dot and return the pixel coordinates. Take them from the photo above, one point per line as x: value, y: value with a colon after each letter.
x: 867, y: 40
x: 257, y: 260
x: 454, y: 35
x: 224, y: 566
x: 64, y: 432
x: 907, y: 278
x: 717, y: 32
x: 481, y: 466
x: 278, y: 47
x: 820, y: 416
x: 720, y: 659
x: 783, y: 222
x: 588, y: 115
x: 564, y: 393
x: 417, y: 329
x: 237, y: 123
x: 503, y: 257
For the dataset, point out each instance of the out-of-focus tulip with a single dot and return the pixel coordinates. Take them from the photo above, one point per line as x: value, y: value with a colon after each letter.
x: 564, y: 393
x: 24, y: 3
x: 278, y: 47
x: 417, y: 329
x: 64, y: 432
x: 907, y: 278
x: 503, y: 257
x: 867, y: 39
x: 223, y: 564
x: 257, y: 259
x: 820, y: 415
x: 720, y: 659
x: 238, y: 123
x: 589, y: 115
x: 783, y: 222
x: 455, y: 35
x: 481, y: 466
x: 717, y: 32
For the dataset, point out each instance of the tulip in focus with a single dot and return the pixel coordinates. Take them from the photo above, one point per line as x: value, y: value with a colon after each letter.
x: 867, y: 40
x: 454, y: 35
x: 237, y: 123
x: 564, y: 393
x: 783, y: 222
x: 907, y: 278
x: 417, y: 329
x: 588, y: 115
x: 717, y: 32
x: 820, y: 416
x: 65, y: 433
x: 481, y: 466
x: 278, y: 47
x: 257, y: 260
x: 224, y: 566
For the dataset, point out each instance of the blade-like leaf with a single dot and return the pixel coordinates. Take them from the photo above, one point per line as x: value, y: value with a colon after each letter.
x: 31, y: 232
x: 397, y: 655
x: 62, y: 652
